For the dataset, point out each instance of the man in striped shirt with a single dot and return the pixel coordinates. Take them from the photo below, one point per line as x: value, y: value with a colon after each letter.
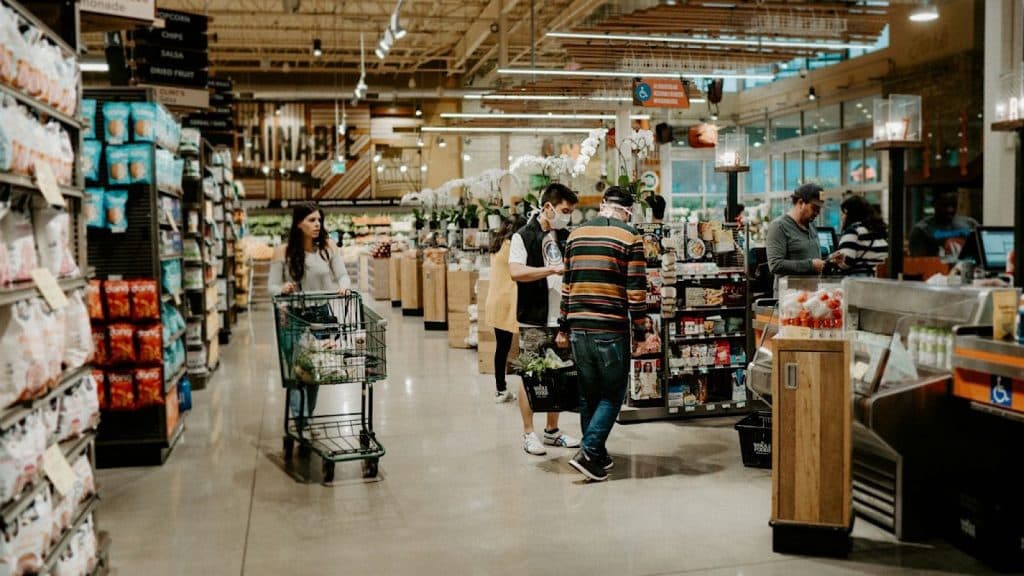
x: 604, y: 288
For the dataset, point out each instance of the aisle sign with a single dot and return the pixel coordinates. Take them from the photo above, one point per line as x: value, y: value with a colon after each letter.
x: 180, y: 97
x: 1002, y: 391
x: 48, y: 184
x: 57, y: 469
x: 135, y: 9
x: 47, y: 285
x: 660, y: 93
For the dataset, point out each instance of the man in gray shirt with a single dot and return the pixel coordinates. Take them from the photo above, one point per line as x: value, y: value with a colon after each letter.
x: 793, y: 248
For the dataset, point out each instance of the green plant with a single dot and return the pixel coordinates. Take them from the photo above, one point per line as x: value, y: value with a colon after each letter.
x: 530, y: 364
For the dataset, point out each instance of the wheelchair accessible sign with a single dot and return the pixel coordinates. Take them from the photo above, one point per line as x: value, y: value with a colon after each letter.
x: 1002, y: 391
x: 660, y: 93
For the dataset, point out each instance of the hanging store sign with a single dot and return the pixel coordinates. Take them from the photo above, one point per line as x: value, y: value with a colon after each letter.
x: 338, y: 167
x: 660, y: 93
x: 134, y: 9
x: 171, y: 57
x: 184, y: 21
x: 181, y: 97
x: 156, y: 74
x: 204, y: 122
x: 173, y: 38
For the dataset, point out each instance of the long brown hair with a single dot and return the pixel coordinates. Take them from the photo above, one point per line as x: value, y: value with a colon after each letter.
x: 508, y: 227
x: 295, y: 253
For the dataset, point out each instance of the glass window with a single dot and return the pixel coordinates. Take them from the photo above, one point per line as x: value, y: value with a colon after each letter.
x: 778, y: 174
x: 785, y: 127
x: 872, y: 166
x: 780, y: 206
x: 829, y: 167
x: 858, y: 112
x: 810, y: 167
x: 754, y: 181
x: 687, y: 177
x: 831, y: 214
x: 823, y: 119
x: 718, y: 182
x: 855, y: 170
x: 682, y: 206
x: 792, y: 171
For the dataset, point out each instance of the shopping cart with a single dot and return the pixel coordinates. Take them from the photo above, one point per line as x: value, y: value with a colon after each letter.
x: 330, y: 339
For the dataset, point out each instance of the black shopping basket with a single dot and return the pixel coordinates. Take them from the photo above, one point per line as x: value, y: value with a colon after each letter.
x: 553, y: 391
x: 756, y: 439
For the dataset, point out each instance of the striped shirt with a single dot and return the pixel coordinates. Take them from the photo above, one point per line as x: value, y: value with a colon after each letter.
x: 605, y: 279
x: 864, y: 250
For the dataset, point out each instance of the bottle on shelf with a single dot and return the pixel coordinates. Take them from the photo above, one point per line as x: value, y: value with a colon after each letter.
x: 914, y: 343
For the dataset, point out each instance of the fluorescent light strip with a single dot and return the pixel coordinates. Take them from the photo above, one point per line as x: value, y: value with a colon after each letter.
x: 712, y: 41
x: 94, y: 67
x: 629, y: 74
x: 552, y: 116
x: 507, y: 129
x: 559, y: 98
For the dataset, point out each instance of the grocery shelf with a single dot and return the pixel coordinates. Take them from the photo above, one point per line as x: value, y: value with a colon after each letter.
x: 703, y: 369
x: 175, y: 337
x: 40, y: 107
x: 711, y: 337
x: 166, y: 257
x: 55, y: 552
x: 722, y: 408
x: 24, y: 182
x: 699, y: 309
x: 173, y: 380
x: 31, y: 18
x: 16, y: 412
x: 22, y: 290
x: 10, y: 511
x: 170, y: 193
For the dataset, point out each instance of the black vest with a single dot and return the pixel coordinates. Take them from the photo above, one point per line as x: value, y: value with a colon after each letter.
x: 532, y: 304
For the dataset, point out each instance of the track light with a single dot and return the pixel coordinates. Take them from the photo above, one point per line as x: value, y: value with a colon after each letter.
x: 342, y: 128
x: 318, y: 49
x: 925, y: 12
x: 419, y: 142
x: 377, y: 157
x: 265, y: 169
x: 419, y: 112
x: 423, y: 168
x: 380, y: 169
x: 403, y: 168
x: 811, y: 94
x: 467, y: 157
x: 277, y: 110
x: 441, y: 143
x: 301, y: 169
x: 380, y: 53
x: 239, y: 159
x: 396, y: 27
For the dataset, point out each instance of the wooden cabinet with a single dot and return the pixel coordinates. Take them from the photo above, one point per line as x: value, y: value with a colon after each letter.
x: 412, y: 285
x: 812, y: 415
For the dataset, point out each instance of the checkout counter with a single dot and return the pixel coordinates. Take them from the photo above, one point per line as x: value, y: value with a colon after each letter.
x: 906, y: 449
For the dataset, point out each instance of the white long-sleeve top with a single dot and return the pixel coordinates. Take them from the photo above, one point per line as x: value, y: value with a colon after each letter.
x: 321, y: 275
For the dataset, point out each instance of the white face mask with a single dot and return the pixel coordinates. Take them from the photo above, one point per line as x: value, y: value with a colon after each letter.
x: 559, y: 221
x: 616, y: 211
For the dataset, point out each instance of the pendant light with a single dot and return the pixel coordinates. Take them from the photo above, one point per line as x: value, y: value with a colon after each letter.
x: 924, y: 12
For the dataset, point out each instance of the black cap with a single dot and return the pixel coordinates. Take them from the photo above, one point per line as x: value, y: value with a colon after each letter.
x: 811, y: 193
x: 619, y: 196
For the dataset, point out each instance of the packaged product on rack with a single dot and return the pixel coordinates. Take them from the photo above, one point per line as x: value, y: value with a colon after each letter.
x: 18, y: 239
x: 140, y: 164
x: 21, y: 454
x: 145, y: 300
x: 144, y: 121
x: 94, y: 209
x: 22, y: 355
x: 122, y: 390
x: 115, y: 122
x: 53, y: 240
x: 100, y: 378
x: 23, y: 546
x: 101, y: 355
x: 150, y: 340
x: 50, y: 411
x: 53, y: 340
x: 184, y: 394
x: 150, y: 384
x: 80, y: 408
x: 815, y: 313
x: 190, y: 138
x: 117, y: 294
x: 92, y: 153
x: 121, y: 342
x: 115, y: 203
x: 78, y: 345
x: 170, y: 276
x: 88, y: 118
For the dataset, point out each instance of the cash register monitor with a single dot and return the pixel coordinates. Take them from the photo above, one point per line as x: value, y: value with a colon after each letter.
x: 994, y: 245
x: 827, y: 240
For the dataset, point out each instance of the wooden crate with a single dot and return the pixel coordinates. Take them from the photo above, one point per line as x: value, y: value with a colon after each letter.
x: 812, y: 418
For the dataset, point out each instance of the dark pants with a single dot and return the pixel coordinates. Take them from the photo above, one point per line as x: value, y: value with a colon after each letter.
x: 602, y: 359
x: 501, y: 353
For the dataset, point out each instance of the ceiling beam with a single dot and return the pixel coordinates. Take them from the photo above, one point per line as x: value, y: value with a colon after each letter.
x: 480, y: 30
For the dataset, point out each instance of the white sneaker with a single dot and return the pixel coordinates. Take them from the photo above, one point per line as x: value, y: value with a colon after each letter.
x: 532, y: 444
x: 506, y: 396
x: 556, y: 438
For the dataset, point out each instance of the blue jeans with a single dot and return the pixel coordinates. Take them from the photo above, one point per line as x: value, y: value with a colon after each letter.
x: 602, y: 359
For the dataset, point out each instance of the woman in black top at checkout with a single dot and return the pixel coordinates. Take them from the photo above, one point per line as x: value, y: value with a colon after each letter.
x: 864, y: 242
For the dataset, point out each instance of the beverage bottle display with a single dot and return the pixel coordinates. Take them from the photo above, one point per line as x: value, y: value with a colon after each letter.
x: 914, y: 343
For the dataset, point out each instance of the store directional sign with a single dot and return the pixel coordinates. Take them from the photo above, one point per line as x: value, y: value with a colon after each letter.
x: 174, y: 20
x: 171, y: 75
x: 660, y: 93
x: 163, y: 37
x: 208, y: 123
x: 171, y: 57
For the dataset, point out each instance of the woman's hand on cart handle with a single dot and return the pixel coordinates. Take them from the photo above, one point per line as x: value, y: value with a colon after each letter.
x: 344, y: 292
x: 289, y: 287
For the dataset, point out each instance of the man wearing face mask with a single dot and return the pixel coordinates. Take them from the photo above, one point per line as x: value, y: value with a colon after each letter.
x: 535, y: 263
x: 604, y: 292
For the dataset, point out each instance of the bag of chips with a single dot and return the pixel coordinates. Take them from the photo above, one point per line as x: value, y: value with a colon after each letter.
x: 118, y: 297
x: 100, y: 378
x: 121, y: 340
x: 145, y: 300
x: 115, y: 203
x: 94, y: 300
x: 122, y: 391
x: 17, y: 237
x: 101, y: 354
x: 150, y: 385
x: 150, y: 341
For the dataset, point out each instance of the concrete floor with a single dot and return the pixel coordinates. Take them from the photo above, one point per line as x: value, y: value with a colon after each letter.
x: 457, y: 495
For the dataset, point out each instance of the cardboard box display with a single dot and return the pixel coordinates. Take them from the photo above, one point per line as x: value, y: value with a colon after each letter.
x: 412, y: 283
x: 485, y: 355
x: 381, y: 278
x: 395, y: 278
x: 461, y: 290
x: 434, y: 293
x: 458, y: 329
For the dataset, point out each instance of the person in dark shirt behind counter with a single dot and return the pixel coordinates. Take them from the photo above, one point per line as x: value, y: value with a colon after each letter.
x: 944, y: 233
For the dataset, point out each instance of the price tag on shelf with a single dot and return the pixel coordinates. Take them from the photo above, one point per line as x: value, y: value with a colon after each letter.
x: 57, y: 469
x: 741, y: 404
x: 673, y: 410
x: 690, y: 408
x: 48, y: 286
x: 710, y: 407
x: 48, y: 184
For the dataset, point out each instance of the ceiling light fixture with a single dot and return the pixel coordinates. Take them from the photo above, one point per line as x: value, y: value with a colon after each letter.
x: 827, y: 45
x: 423, y: 168
x: 634, y: 74
x: 419, y: 112
x: 265, y: 169
x: 395, y: 26
x: 380, y: 169
x: 403, y: 168
x: 503, y: 129
x: 318, y: 48
x: 377, y: 157
x: 440, y: 142
x: 811, y: 94
x: 380, y: 53
x: 95, y: 66
x: 301, y: 169
x: 419, y: 142
x: 925, y: 12
x: 547, y: 116
x: 466, y: 157
x: 559, y: 98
